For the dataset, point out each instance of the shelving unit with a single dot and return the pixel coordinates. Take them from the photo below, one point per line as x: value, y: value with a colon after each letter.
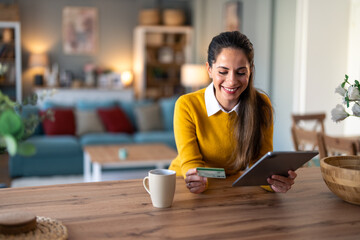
x: 10, y: 60
x: 159, y: 53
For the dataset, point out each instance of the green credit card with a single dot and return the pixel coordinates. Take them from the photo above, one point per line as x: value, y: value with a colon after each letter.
x: 211, y: 172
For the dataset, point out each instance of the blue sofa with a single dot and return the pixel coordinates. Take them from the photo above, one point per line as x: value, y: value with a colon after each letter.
x: 63, y: 154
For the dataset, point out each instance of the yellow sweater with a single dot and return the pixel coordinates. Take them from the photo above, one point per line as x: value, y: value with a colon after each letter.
x: 204, y: 141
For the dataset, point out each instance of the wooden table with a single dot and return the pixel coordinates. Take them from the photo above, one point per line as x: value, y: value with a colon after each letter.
x: 123, y: 210
x: 99, y: 157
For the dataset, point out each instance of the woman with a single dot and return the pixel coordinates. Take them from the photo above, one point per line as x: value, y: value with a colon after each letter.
x: 229, y: 124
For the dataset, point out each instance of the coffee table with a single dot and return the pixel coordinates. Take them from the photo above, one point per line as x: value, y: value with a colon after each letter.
x: 99, y: 157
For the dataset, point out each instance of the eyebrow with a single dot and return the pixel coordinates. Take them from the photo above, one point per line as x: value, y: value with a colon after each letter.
x: 228, y: 68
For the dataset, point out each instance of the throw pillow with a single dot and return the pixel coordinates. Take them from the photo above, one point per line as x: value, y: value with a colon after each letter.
x: 63, y: 124
x: 129, y: 106
x: 88, y: 122
x: 115, y: 120
x: 149, y: 118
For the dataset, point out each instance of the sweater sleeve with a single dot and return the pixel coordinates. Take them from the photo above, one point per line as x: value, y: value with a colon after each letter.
x: 185, y: 137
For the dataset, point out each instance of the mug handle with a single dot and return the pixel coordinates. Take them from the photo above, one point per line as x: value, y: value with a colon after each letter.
x: 144, y: 183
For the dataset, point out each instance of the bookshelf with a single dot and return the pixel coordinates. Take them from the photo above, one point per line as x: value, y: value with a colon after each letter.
x: 10, y: 60
x: 159, y: 53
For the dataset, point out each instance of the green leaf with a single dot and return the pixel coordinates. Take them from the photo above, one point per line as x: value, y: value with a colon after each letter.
x: 346, y: 77
x: 10, y: 123
x: 347, y: 99
x: 26, y: 149
x: 343, y: 84
x: 33, y: 99
x: 356, y: 82
x: 11, y: 144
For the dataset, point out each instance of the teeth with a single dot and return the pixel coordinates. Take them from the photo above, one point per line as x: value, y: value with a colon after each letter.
x: 230, y: 89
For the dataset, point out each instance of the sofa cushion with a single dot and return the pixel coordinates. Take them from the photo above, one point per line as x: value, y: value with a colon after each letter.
x: 148, y: 118
x: 105, y: 138
x: 115, y: 120
x: 58, y: 155
x: 167, y: 110
x: 166, y: 137
x: 88, y: 122
x: 63, y: 124
x: 129, y: 107
x: 90, y: 105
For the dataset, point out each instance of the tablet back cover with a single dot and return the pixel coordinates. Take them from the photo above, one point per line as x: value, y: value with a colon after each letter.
x: 273, y: 163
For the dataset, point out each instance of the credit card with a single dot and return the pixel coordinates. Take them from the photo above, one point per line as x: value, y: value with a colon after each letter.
x: 211, y: 172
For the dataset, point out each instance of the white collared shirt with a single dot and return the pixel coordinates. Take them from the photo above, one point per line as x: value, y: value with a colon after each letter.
x: 212, y: 104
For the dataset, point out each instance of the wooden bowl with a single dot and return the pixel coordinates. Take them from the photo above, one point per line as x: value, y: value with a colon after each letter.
x: 342, y: 175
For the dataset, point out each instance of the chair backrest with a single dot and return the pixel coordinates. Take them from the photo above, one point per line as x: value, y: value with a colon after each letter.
x: 330, y: 146
x: 304, y: 139
x: 317, y: 119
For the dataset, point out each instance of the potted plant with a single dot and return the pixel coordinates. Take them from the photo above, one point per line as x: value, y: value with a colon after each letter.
x: 14, y: 129
x: 351, y: 96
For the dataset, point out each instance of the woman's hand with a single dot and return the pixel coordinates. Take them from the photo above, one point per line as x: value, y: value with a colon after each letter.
x: 195, y: 183
x: 282, y: 184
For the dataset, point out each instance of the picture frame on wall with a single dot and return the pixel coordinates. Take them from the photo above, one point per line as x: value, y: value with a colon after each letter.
x: 80, y: 30
x: 232, y: 16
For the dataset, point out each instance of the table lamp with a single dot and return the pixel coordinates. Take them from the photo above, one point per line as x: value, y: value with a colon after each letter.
x: 126, y: 78
x: 194, y: 76
x: 39, y: 60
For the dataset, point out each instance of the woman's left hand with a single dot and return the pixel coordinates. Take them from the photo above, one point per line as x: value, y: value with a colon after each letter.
x: 282, y: 184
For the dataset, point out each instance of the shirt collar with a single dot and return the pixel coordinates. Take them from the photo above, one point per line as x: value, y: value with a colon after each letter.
x: 211, y: 103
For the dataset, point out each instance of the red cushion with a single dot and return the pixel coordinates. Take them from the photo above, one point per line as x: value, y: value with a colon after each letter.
x: 115, y: 120
x: 63, y: 124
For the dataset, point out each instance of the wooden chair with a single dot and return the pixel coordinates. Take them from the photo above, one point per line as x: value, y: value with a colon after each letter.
x: 304, y: 131
x: 302, y: 120
x: 305, y: 140
x: 333, y: 146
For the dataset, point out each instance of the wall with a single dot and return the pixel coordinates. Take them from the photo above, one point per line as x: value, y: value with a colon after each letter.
x: 41, y: 24
x: 327, y: 57
x: 283, y: 71
x: 352, y: 124
x: 256, y: 24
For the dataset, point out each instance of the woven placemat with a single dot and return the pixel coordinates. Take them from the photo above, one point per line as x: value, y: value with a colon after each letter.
x: 46, y: 228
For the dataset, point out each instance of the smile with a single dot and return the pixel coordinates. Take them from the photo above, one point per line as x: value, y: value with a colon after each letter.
x: 230, y: 90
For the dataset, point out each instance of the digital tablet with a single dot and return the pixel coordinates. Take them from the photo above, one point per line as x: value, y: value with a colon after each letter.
x: 273, y: 163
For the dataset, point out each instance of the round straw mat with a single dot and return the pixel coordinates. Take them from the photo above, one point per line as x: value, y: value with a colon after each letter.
x: 46, y: 228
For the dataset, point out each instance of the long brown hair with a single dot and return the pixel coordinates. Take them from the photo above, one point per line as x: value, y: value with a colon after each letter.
x: 255, y: 114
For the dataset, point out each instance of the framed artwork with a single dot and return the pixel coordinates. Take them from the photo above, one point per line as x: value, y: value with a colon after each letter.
x: 232, y: 13
x: 80, y: 30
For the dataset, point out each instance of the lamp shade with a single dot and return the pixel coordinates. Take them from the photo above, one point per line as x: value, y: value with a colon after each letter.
x: 38, y: 60
x: 194, y: 75
x: 126, y: 78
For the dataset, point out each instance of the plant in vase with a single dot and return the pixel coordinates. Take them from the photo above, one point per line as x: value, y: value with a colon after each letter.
x: 351, y: 96
x: 14, y: 129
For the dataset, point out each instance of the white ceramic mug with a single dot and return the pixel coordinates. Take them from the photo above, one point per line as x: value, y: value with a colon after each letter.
x: 162, y: 184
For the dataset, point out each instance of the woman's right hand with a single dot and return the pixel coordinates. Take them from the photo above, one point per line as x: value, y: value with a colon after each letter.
x: 195, y: 183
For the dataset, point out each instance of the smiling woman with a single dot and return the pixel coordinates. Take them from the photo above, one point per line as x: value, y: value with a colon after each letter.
x: 230, y: 74
x: 229, y: 124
